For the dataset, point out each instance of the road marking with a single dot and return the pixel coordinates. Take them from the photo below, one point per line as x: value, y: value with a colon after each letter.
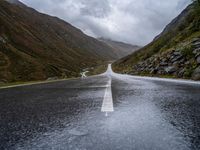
x: 181, y: 81
x: 34, y: 83
x: 107, y: 105
x: 83, y: 74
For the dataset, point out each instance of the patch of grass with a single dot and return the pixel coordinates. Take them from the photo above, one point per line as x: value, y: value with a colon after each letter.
x: 187, y: 51
x: 190, y: 69
x: 188, y: 72
x: 98, y: 70
x: 160, y: 76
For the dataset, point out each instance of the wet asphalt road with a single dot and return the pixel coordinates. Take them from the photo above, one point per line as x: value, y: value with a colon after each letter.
x: 149, y: 114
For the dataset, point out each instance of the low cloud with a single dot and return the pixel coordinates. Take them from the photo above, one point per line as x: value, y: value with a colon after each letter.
x: 131, y: 21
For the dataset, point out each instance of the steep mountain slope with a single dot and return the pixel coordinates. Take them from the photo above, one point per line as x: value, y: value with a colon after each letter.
x: 174, y: 53
x: 35, y: 46
x: 15, y: 2
x: 121, y: 49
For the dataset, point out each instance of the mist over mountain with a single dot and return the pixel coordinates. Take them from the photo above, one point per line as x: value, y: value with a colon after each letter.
x: 121, y: 49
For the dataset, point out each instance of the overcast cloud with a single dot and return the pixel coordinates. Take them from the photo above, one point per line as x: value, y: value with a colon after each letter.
x: 131, y: 21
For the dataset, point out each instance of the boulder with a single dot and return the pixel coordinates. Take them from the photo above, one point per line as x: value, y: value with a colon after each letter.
x: 141, y: 69
x: 195, y: 40
x: 177, y: 53
x: 164, y: 60
x: 176, y: 58
x: 196, y: 74
x: 170, y: 69
x: 196, y: 51
x: 2, y: 40
x: 158, y: 67
x: 176, y: 63
x: 182, y: 61
x: 197, y: 55
x: 52, y: 78
x: 163, y: 64
x: 150, y: 66
x: 168, y: 56
x: 187, y: 62
x: 196, y: 44
x: 172, y: 57
x: 181, y: 73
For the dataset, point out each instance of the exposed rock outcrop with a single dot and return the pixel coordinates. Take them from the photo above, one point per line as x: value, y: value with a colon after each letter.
x: 183, y: 62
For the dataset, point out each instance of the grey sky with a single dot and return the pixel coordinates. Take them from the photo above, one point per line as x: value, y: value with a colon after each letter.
x: 131, y: 21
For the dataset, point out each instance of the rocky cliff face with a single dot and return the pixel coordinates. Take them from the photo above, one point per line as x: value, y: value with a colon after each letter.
x: 182, y: 62
x: 173, y: 53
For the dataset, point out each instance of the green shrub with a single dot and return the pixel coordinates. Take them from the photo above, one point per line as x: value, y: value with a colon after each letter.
x: 188, y: 72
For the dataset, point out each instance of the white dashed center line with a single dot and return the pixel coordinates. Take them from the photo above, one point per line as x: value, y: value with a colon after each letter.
x: 107, y: 105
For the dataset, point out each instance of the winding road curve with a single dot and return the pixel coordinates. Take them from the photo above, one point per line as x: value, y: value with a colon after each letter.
x: 104, y: 112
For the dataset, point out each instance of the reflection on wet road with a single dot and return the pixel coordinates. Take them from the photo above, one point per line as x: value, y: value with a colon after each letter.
x: 148, y: 114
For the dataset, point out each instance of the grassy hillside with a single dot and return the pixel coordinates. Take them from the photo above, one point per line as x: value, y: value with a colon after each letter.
x: 35, y: 46
x: 178, y: 36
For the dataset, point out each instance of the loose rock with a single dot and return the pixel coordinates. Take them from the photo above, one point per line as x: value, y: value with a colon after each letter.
x: 170, y: 69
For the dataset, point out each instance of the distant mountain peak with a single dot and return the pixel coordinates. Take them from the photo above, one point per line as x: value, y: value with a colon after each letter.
x: 122, y: 49
x: 111, y: 40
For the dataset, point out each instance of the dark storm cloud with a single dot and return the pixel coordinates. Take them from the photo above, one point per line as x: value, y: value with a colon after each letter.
x: 132, y: 21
